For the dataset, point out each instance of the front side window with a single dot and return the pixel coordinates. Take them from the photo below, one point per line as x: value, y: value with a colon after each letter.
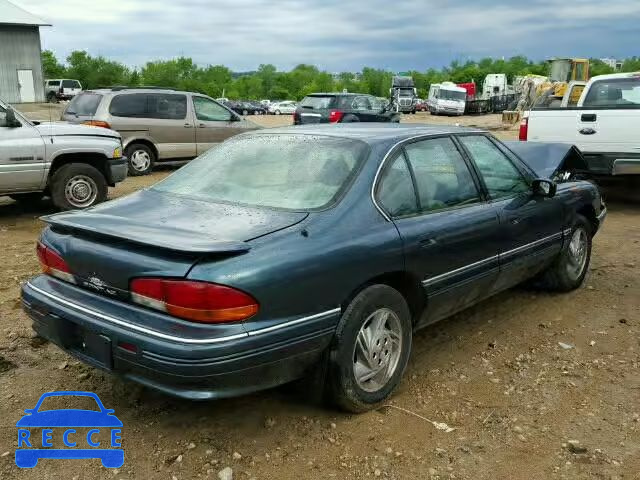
x: 209, y: 111
x: 442, y: 176
x: 54, y: 83
x: 501, y: 177
x: 293, y: 172
x: 395, y: 191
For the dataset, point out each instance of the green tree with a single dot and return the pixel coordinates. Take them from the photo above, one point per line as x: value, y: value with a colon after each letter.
x: 50, y: 66
x: 631, y: 65
x: 96, y: 71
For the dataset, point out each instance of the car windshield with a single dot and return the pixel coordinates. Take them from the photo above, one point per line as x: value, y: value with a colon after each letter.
x: 84, y: 104
x: 317, y: 102
x: 64, y: 402
x: 452, y: 95
x: 293, y: 172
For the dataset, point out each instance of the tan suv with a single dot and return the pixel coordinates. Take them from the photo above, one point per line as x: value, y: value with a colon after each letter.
x: 157, y: 125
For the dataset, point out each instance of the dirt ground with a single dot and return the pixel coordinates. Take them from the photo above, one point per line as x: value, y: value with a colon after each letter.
x: 518, y: 400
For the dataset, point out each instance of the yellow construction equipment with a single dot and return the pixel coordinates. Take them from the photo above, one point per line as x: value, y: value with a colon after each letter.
x: 561, y: 72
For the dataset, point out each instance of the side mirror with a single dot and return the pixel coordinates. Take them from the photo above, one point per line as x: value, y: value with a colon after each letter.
x: 543, y: 187
x: 10, y: 119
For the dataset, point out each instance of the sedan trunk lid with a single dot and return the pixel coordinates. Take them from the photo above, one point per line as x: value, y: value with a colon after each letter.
x: 155, y: 234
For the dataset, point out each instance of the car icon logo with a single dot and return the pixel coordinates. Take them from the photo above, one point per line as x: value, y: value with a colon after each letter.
x: 69, y: 425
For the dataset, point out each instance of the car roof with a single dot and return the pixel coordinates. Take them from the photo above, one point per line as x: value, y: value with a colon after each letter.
x: 370, y: 132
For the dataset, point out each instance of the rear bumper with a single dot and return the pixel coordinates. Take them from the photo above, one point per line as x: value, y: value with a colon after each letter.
x: 198, y: 369
x: 118, y: 170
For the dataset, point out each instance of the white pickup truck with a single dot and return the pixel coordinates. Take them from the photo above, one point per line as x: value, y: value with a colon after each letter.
x: 605, y: 124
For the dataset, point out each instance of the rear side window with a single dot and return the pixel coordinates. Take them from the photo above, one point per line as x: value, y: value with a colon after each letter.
x: 54, y: 83
x: 166, y: 106
x: 317, y: 102
x: 395, y: 190
x: 70, y: 84
x: 442, y: 176
x: 620, y: 92
x: 129, y: 105
x: 84, y: 104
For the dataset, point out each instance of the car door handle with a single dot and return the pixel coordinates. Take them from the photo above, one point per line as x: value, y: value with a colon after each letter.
x: 427, y: 242
x: 587, y: 131
x: 202, y: 125
x: 514, y: 221
x: 187, y: 125
x: 588, y: 117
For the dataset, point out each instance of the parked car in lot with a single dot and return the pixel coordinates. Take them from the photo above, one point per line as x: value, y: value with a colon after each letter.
x: 604, y: 124
x: 248, y: 108
x: 61, y: 89
x: 308, y: 246
x: 280, y: 108
x: 342, y: 108
x: 421, y: 106
x: 157, y: 125
x: 74, y: 164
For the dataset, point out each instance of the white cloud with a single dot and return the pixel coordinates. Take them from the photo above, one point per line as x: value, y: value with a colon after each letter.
x: 336, y: 34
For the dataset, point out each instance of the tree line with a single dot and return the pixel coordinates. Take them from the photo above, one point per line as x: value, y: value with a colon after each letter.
x: 267, y: 82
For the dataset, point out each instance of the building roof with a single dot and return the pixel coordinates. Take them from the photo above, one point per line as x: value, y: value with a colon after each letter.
x: 11, y: 14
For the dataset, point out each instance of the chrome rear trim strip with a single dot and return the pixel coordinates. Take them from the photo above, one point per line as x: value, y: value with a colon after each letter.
x: 173, y: 338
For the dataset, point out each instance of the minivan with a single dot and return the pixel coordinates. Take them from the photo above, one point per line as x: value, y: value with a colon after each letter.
x: 157, y: 125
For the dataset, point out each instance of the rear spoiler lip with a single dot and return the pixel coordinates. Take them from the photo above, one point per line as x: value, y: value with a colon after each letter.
x: 118, y: 228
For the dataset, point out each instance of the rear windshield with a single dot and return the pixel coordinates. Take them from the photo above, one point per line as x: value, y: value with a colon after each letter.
x: 70, y: 84
x: 621, y: 92
x: 317, y: 102
x: 84, y: 104
x: 293, y: 172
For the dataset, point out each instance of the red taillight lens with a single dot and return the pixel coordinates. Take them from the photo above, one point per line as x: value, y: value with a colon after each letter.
x: 296, y: 117
x: 335, y: 116
x: 197, y: 301
x: 524, y: 129
x: 96, y: 123
x: 53, y: 264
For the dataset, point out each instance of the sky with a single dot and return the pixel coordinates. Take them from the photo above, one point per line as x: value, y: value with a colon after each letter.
x: 338, y: 35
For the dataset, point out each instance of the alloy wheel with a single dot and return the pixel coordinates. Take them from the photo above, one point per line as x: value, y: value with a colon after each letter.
x: 140, y: 160
x: 578, y: 246
x: 377, y: 350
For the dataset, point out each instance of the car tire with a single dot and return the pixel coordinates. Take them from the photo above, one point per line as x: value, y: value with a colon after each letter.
x: 77, y: 186
x: 245, y: 112
x: 354, y: 349
x: 278, y: 112
x: 141, y: 159
x: 570, y: 268
x: 51, y: 98
x: 32, y: 197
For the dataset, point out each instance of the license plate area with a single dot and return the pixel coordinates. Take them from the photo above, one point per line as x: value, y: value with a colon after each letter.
x: 89, y: 346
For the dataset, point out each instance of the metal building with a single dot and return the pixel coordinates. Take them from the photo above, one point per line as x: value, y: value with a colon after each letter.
x: 21, y: 79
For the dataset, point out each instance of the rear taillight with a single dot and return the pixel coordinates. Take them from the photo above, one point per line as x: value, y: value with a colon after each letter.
x: 296, y: 117
x: 524, y: 129
x: 335, y: 116
x: 53, y: 264
x: 97, y: 123
x: 196, y: 301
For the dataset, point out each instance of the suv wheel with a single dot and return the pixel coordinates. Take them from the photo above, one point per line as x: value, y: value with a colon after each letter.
x: 370, y: 350
x: 141, y: 159
x: 77, y: 186
x: 51, y: 98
